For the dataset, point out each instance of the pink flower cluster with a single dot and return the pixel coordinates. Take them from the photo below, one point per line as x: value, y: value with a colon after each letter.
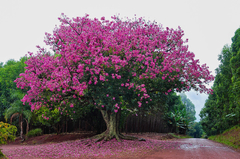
x: 86, y: 49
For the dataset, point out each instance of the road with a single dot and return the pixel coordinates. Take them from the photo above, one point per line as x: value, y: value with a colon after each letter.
x: 196, y: 149
x: 189, y: 149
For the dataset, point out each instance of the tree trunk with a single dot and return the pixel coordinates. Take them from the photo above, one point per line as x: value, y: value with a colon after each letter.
x: 27, y: 126
x: 112, y: 123
x: 21, y: 127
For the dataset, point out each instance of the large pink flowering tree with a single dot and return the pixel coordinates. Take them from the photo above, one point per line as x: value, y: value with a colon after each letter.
x: 108, y: 64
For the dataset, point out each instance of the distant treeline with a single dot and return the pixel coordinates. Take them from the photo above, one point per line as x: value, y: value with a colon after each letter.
x: 222, y: 108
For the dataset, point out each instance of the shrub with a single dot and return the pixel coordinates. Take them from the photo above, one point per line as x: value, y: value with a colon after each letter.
x: 7, y: 132
x: 2, y: 156
x: 35, y: 132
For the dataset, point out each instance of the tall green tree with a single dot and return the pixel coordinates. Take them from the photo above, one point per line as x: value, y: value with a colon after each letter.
x: 221, y: 110
x: 218, y: 107
x: 8, y: 73
x: 18, y: 109
x: 235, y: 65
x: 176, y: 115
x: 190, y: 108
x: 196, y: 131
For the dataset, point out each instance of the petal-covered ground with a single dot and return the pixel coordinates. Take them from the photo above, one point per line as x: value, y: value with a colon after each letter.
x: 153, y: 148
x: 87, y: 148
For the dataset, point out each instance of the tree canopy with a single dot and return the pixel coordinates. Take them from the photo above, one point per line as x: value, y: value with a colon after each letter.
x: 110, y: 63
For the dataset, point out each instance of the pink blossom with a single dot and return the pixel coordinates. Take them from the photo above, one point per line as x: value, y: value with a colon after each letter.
x: 89, y: 50
x: 139, y: 104
x: 113, y: 76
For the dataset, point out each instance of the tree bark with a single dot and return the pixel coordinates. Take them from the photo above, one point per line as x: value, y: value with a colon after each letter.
x: 21, y: 127
x: 112, y: 123
x: 27, y: 126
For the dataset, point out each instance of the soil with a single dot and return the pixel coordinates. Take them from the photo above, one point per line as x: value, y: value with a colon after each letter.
x: 52, y: 138
x: 188, y: 148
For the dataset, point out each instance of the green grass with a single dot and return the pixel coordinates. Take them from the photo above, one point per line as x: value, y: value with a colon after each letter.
x: 180, y: 136
x: 230, y: 137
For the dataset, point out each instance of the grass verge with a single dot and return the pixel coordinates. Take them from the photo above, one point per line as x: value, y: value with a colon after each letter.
x: 180, y: 136
x: 230, y: 137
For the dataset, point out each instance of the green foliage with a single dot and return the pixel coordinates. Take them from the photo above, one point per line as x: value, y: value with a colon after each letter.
x: 178, y: 136
x: 2, y: 156
x: 230, y: 137
x: 190, y: 108
x: 124, y: 116
x: 177, y: 116
x: 7, y: 132
x: 8, y: 73
x: 17, y: 109
x: 48, y: 117
x: 34, y: 132
x: 222, y: 108
x: 195, y: 130
x: 17, y: 106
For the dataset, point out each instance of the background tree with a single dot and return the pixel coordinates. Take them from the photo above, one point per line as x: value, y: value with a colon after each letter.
x: 17, y: 109
x: 218, y: 106
x: 176, y: 115
x: 190, y: 108
x: 235, y: 65
x: 196, y: 131
x: 221, y: 110
x: 103, y: 62
x: 8, y: 73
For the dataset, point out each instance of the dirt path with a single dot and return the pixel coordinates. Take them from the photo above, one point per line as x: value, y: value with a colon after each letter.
x: 196, y: 149
x: 189, y: 149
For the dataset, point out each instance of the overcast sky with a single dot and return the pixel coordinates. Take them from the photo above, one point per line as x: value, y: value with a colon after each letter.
x: 208, y: 24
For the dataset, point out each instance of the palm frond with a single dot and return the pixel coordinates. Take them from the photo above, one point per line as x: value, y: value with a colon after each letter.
x: 15, y: 114
x: 28, y: 114
x: 12, y: 110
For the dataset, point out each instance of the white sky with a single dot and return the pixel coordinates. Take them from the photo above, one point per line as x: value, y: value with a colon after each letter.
x: 208, y: 24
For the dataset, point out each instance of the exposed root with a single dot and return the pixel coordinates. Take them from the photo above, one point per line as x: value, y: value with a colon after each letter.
x: 97, y: 136
x: 100, y: 139
x: 106, y: 137
x: 127, y: 137
x: 117, y: 137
